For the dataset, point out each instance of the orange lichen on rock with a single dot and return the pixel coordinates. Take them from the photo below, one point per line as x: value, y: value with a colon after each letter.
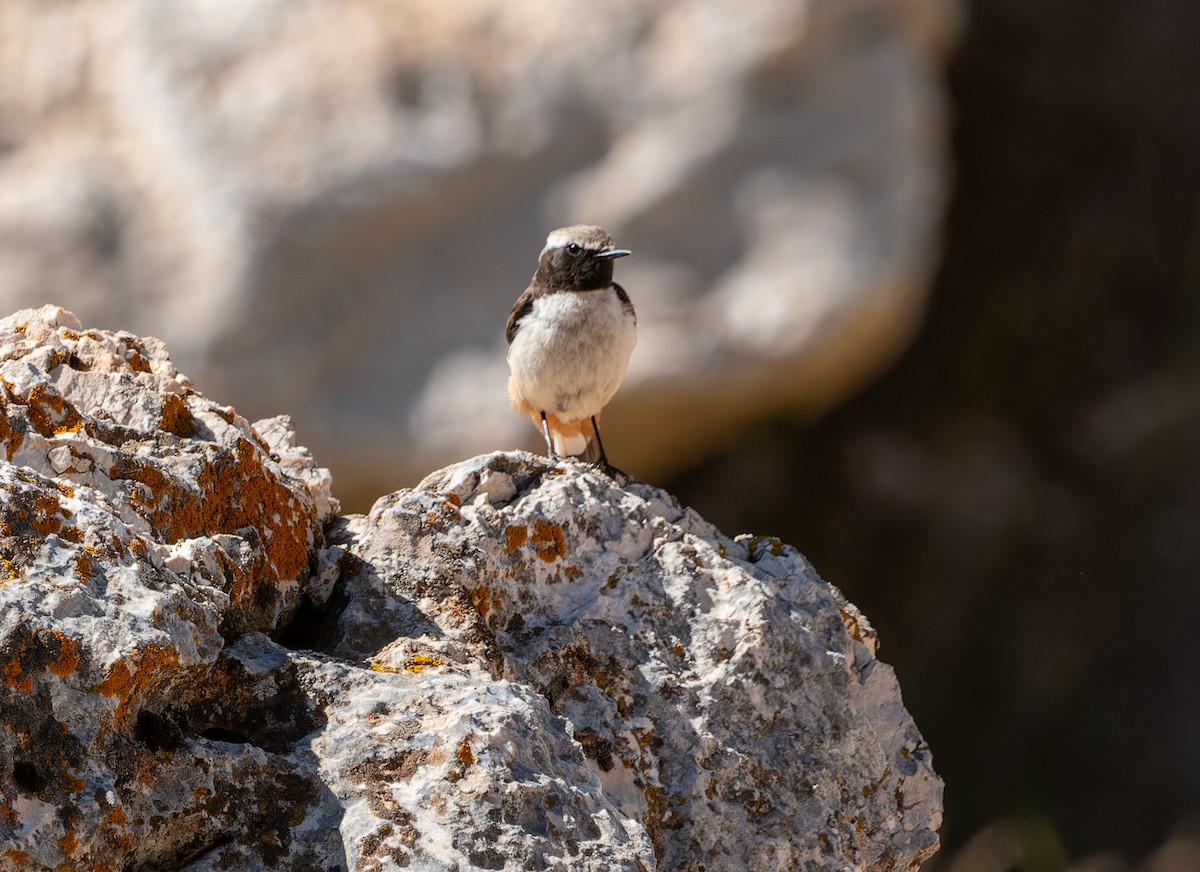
x: 235, y: 491
x: 485, y: 599
x: 464, y: 753
x: 548, y: 541
x: 31, y: 650
x: 241, y: 492
x: 49, y: 413
x: 9, y: 435
x: 13, y: 672
x: 46, y: 517
x: 67, y: 660
x: 516, y: 536
x: 85, y: 567
x: 132, y: 674
x: 177, y: 418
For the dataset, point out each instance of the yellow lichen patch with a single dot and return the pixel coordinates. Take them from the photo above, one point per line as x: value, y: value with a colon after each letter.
x: 132, y: 674
x: 383, y: 667
x: 153, y: 478
x: 548, y: 541
x: 516, y: 536
x: 67, y: 660
x: 16, y: 856
x: 771, y: 544
x: 71, y: 533
x: 421, y: 662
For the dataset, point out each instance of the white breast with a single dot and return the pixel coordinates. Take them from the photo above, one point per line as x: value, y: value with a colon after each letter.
x: 570, y: 352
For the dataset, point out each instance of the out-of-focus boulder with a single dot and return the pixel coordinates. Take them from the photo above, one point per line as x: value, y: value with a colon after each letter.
x: 328, y: 208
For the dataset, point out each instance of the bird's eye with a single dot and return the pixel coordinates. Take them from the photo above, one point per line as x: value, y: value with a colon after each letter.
x: 574, y: 248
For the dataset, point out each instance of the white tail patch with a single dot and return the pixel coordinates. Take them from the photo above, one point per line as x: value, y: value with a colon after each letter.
x: 569, y: 446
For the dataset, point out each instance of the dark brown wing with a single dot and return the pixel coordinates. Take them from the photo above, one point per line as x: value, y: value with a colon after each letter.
x: 625, y: 303
x: 520, y: 309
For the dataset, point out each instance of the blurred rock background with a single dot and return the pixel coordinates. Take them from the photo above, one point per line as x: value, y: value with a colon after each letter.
x: 329, y: 207
x: 326, y: 208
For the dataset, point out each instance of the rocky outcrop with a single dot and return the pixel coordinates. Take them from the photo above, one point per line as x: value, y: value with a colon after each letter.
x: 346, y: 201
x: 142, y: 526
x: 519, y: 664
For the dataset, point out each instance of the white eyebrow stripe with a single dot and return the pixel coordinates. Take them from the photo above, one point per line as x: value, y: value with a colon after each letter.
x: 558, y: 239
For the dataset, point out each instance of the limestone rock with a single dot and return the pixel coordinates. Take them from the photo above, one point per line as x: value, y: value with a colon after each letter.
x: 344, y: 200
x: 519, y: 664
x: 140, y: 525
x: 729, y: 699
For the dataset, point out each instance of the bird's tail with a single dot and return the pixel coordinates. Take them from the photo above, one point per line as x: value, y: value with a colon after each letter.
x: 591, y: 451
x: 573, y: 438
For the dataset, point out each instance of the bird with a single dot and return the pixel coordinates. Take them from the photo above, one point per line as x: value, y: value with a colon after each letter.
x: 570, y: 336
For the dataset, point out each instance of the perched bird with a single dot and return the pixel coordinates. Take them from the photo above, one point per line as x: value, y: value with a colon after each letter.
x: 570, y: 335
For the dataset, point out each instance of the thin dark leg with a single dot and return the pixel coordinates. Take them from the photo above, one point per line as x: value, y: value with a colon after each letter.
x: 546, y: 432
x: 603, y: 461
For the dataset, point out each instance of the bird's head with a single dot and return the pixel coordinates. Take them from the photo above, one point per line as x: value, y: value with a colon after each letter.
x: 578, y: 258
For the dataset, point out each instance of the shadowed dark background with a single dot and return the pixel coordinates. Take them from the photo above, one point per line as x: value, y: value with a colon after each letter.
x: 1016, y: 504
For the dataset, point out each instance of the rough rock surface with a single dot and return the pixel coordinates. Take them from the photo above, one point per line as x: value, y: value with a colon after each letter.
x: 520, y: 664
x: 141, y: 525
x: 729, y: 699
x: 346, y: 198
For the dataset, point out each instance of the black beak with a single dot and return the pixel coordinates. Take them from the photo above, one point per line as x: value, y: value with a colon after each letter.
x: 610, y: 253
